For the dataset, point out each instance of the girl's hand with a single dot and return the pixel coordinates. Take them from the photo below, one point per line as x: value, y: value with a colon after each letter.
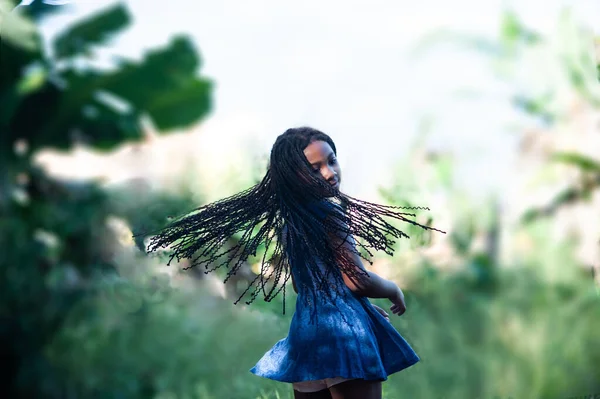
x: 399, y: 306
x: 383, y: 312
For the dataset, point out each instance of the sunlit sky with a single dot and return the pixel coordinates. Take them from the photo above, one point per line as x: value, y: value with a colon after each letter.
x: 347, y: 68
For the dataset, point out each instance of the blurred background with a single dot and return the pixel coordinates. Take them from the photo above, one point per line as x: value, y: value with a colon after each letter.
x: 116, y: 116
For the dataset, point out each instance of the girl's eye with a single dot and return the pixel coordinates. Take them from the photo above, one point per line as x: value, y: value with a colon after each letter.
x: 331, y: 162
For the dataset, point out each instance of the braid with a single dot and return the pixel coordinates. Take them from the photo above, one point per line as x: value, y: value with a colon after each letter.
x: 292, y: 207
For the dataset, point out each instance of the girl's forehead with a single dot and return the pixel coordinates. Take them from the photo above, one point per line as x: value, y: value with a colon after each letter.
x: 317, y: 150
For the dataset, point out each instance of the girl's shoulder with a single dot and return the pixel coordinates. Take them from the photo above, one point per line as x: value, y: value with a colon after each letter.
x: 322, y: 209
x: 325, y: 207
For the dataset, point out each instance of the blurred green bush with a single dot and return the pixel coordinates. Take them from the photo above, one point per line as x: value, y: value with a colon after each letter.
x: 54, y: 233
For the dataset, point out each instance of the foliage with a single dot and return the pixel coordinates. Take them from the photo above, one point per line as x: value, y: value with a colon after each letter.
x: 100, y: 107
x: 52, y: 257
x: 540, y: 337
x: 56, y: 232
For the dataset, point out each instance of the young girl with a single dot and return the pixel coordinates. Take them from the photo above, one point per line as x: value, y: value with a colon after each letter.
x: 339, y: 344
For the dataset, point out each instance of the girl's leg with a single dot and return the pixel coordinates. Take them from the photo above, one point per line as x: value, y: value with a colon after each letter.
x: 323, y: 394
x: 356, y: 389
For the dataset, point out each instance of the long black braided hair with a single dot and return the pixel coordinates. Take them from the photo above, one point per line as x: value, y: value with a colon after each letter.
x: 297, y: 209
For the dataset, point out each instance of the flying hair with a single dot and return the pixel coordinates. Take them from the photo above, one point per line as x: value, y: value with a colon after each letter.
x: 287, y: 215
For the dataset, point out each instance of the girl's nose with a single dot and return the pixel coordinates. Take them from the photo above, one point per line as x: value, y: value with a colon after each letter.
x: 329, y: 174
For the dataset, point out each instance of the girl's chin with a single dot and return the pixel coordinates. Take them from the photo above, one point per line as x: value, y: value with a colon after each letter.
x: 334, y: 190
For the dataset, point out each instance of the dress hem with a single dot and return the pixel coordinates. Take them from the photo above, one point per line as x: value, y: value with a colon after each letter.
x: 393, y: 370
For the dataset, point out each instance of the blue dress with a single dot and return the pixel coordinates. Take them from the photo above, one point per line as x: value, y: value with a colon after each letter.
x: 367, y: 346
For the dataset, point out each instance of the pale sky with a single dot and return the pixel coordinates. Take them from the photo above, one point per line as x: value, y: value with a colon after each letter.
x: 346, y: 68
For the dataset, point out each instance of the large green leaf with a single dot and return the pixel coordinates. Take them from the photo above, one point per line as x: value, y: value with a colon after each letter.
x: 79, y: 38
x: 181, y: 107
x: 163, y: 85
x: 160, y: 72
x: 164, y: 82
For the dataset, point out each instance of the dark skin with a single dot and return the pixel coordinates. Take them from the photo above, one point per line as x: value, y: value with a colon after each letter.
x: 323, y: 160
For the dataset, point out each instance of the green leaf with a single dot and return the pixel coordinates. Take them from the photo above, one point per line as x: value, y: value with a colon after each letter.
x: 581, y: 161
x: 566, y: 196
x: 93, y: 31
x: 161, y: 71
x: 180, y: 108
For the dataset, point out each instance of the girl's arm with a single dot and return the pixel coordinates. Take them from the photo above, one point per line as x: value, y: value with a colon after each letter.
x: 373, y: 286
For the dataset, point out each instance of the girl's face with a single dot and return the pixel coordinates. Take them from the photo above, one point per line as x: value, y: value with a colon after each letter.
x: 323, y: 160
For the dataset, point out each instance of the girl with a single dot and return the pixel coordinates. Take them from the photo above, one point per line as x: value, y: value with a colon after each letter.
x: 339, y: 345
